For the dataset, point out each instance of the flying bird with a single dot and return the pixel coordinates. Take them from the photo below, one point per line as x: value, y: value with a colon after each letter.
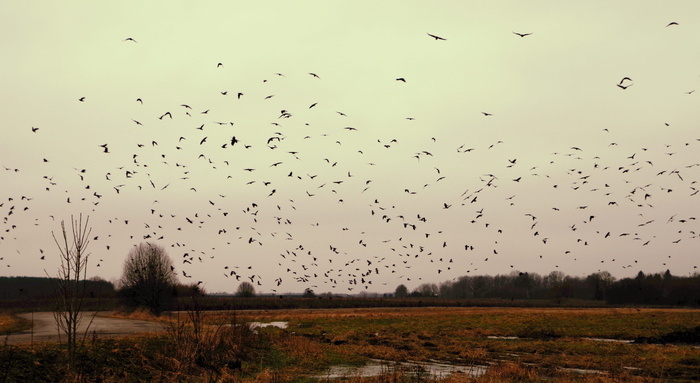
x: 620, y: 84
x: 436, y: 37
x: 522, y: 34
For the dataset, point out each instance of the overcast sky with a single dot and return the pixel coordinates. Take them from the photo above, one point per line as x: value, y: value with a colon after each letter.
x: 339, y: 146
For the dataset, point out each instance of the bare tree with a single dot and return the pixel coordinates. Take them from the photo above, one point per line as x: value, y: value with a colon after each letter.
x: 245, y: 290
x: 427, y: 290
x: 71, y: 286
x: 401, y: 291
x: 148, y: 278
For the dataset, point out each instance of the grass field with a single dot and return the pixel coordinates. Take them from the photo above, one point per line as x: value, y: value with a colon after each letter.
x: 547, y: 338
x: 517, y: 344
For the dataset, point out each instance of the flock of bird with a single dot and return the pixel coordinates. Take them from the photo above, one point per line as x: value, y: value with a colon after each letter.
x: 337, y: 205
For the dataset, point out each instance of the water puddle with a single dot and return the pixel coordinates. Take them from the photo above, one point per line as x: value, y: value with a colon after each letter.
x: 582, y: 371
x: 377, y: 367
x: 610, y: 340
x: 254, y: 325
x: 591, y: 339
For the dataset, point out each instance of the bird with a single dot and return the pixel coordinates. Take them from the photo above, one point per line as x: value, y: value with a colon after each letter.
x: 624, y: 86
x: 522, y: 34
x: 671, y: 23
x: 401, y: 79
x: 620, y: 84
x: 436, y: 37
x: 131, y: 39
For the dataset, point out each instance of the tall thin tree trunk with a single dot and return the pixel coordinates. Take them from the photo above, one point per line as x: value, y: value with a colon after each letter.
x: 72, y: 273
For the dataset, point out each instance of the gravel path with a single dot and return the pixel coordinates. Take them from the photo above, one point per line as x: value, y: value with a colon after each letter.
x: 45, y: 329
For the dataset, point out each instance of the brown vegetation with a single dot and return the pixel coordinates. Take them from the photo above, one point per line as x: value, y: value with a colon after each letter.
x: 219, y: 347
x: 11, y: 323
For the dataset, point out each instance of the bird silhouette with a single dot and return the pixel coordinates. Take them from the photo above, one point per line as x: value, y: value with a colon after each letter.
x: 624, y: 85
x: 436, y: 37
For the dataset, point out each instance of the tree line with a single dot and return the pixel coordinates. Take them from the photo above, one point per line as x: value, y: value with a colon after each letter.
x: 648, y: 289
x: 148, y: 280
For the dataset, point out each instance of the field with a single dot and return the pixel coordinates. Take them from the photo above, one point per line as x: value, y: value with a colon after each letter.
x: 547, y: 338
x: 513, y: 344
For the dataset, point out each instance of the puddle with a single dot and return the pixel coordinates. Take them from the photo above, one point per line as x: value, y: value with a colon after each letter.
x: 582, y: 371
x: 592, y: 339
x: 377, y: 367
x: 254, y: 325
x: 610, y: 340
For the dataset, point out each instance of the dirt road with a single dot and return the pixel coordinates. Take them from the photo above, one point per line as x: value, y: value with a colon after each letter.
x: 45, y: 329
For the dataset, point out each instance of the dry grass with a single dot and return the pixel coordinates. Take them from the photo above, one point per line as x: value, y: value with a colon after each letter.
x: 551, y: 338
x: 138, y: 314
x: 6, y: 322
x: 11, y: 323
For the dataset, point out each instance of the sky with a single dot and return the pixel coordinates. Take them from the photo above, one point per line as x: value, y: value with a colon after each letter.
x: 352, y: 146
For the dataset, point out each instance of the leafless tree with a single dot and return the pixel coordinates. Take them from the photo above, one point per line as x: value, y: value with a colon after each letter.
x: 401, y: 291
x: 245, y: 290
x: 71, y: 288
x: 148, y: 278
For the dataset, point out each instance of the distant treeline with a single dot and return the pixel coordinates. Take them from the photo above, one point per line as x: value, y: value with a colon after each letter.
x: 14, y: 288
x: 646, y: 289
x: 515, y: 289
x: 37, y: 293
